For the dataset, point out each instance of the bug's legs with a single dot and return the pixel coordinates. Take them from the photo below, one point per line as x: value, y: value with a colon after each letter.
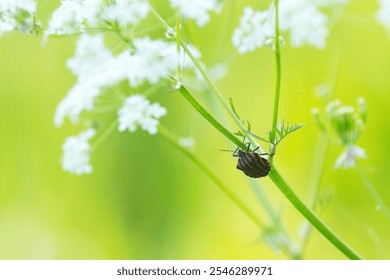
x: 256, y: 149
x: 235, y: 152
x: 247, y: 149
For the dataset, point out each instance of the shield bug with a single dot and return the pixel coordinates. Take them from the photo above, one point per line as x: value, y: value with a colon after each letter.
x: 251, y: 163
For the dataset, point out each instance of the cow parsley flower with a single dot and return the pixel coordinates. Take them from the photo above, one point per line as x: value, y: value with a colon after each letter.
x: 90, y: 54
x: 126, y: 11
x: 197, y: 10
x: 73, y: 16
x: 254, y: 29
x: 16, y: 15
x: 150, y: 61
x: 302, y: 19
x: 76, y: 153
x: 138, y: 112
x: 90, y: 65
x: 383, y: 14
x: 305, y: 22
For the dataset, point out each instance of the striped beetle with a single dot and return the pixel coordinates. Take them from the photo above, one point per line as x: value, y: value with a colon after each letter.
x: 251, y: 163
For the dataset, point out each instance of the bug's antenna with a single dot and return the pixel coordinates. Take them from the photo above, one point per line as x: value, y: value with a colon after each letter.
x: 227, y: 151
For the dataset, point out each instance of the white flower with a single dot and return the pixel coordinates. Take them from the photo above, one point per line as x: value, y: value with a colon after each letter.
x: 348, y: 158
x: 253, y: 31
x: 90, y: 54
x: 97, y: 69
x: 151, y: 61
x: 302, y: 19
x: 138, y: 112
x: 384, y: 13
x: 73, y: 15
x: 92, y: 64
x: 16, y: 15
x: 76, y: 153
x: 81, y: 97
x: 126, y: 11
x: 197, y: 10
x: 305, y: 22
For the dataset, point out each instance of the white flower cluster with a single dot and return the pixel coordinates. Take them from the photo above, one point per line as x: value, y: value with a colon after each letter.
x: 76, y: 153
x: 255, y: 28
x: 302, y: 19
x: 138, y: 111
x: 384, y: 13
x: 97, y: 68
x: 16, y: 15
x: 197, y: 10
x: 75, y: 15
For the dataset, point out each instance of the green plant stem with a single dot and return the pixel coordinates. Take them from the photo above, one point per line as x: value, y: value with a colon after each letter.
x: 311, y: 216
x: 371, y: 189
x: 279, y: 182
x: 278, y: 81
x: 199, y: 107
x: 106, y: 133
x: 220, y: 98
x: 204, y: 167
x: 178, y: 36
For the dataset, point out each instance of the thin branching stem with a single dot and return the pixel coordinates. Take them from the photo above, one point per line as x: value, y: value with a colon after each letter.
x: 278, y: 81
x: 373, y: 192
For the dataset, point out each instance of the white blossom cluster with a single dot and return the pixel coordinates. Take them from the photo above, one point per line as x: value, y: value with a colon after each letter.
x: 76, y: 15
x: 384, y: 13
x: 97, y: 69
x: 302, y: 19
x: 16, y: 15
x: 197, y: 10
x: 77, y: 152
x: 138, y: 111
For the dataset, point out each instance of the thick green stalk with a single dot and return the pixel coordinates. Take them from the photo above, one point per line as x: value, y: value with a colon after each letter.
x: 214, y: 122
x: 311, y: 216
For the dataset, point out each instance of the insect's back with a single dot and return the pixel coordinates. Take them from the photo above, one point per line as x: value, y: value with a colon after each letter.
x: 252, y: 164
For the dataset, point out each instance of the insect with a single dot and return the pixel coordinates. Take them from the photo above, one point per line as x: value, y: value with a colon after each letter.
x: 251, y: 163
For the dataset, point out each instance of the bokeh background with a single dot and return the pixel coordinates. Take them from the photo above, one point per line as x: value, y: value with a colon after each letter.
x: 144, y: 199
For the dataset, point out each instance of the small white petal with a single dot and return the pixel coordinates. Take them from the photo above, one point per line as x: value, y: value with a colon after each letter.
x: 348, y: 158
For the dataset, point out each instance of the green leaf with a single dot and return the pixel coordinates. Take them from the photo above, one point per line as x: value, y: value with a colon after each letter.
x: 232, y: 106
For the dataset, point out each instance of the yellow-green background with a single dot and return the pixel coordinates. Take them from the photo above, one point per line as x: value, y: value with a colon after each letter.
x: 144, y: 199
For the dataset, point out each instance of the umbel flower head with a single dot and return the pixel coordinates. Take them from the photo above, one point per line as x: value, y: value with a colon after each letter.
x: 348, y: 124
x: 138, y: 112
x: 76, y: 153
x: 303, y: 20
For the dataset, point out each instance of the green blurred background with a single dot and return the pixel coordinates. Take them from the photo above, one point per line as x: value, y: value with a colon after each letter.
x: 144, y: 199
